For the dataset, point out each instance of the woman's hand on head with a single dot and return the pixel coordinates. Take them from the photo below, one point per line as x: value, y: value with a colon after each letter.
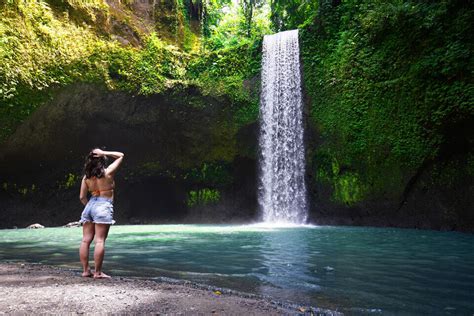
x: 98, y: 152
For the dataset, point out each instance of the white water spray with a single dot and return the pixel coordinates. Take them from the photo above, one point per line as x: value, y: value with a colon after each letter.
x: 282, y: 191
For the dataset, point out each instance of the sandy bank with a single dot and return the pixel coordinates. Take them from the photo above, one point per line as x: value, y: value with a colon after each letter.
x: 29, y: 288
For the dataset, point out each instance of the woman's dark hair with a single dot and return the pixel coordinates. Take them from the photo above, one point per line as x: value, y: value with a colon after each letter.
x: 94, y: 166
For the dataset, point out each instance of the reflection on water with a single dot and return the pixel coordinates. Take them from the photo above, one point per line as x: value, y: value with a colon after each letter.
x: 351, y: 269
x: 287, y: 265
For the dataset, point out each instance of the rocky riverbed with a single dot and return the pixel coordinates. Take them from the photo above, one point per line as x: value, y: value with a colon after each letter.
x: 33, y: 288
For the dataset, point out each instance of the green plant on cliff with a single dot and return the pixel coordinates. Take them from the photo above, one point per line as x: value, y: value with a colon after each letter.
x: 152, y: 69
x: 42, y: 48
x: 39, y: 49
x: 390, y: 85
x: 70, y: 180
x: 49, y: 44
x: 223, y: 73
x: 204, y: 196
x: 216, y: 174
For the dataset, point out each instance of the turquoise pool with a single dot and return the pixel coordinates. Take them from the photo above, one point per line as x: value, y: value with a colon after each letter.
x: 351, y: 269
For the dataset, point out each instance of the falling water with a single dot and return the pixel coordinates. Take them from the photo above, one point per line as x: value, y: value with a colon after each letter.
x: 282, y: 191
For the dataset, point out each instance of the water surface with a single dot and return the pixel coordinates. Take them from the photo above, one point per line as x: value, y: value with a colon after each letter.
x: 351, y: 269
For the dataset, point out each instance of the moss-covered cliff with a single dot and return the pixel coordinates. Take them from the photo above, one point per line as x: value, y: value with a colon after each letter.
x: 76, y: 75
x: 142, y: 47
x: 391, y: 97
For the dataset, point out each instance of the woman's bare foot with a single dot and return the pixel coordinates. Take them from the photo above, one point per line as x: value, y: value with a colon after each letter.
x: 101, y: 275
x: 87, y: 274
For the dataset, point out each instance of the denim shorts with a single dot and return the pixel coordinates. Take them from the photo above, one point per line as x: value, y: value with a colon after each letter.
x: 98, y: 210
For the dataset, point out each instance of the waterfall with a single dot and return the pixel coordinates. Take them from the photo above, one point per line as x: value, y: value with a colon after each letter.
x: 282, y: 190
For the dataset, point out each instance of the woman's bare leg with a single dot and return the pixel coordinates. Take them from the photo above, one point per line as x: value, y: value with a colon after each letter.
x: 101, y: 232
x: 87, y: 237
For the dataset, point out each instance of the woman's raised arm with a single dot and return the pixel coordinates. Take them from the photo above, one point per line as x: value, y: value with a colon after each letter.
x: 114, y: 154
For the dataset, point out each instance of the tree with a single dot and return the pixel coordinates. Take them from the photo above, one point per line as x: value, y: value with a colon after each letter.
x: 248, y: 7
x: 291, y: 14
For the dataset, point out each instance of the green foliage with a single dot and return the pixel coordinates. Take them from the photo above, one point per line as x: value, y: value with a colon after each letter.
x: 209, y: 173
x: 232, y: 29
x: 247, y: 113
x: 33, y: 42
x: 145, y: 71
x: 347, y: 188
x: 151, y: 166
x: 389, y: 81
x: 204, y: 196
x: 248, y: 9
x: 224, y: 72
x: 287, y: 15
x: 191, y: 41
x: 226, y: 33
x: 70, y: 180
x: 178, y: 23
x: 40, y: 50
x: 44, y: 47
x: 212, y: 13
x: 23, y: 190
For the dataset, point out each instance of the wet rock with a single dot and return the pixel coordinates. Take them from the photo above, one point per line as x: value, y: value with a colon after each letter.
x: 72, y: 224
x: 35, y: 226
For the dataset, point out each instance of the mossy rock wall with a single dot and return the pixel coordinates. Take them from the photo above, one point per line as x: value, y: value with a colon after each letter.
x: 390, y: 97
x: 186, y: 158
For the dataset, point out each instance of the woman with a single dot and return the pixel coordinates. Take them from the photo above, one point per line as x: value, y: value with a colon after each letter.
x: 98, y: 213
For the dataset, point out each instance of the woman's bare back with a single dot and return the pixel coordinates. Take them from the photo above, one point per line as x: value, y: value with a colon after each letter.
x: 103, y: 186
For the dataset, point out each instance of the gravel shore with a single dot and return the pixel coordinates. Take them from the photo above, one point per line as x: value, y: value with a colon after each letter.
x: 34, y: 288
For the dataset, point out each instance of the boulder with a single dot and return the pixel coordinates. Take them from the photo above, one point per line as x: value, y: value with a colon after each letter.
x: 35, y: 226
x: 72, y: 224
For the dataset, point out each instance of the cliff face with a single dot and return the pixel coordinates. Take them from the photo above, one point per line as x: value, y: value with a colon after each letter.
x: 389, y: 115
x: 118, y: 74
x: 184, y: 153
x: 187, y: 160
x: 391, y: 123
x: 137, y: 46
